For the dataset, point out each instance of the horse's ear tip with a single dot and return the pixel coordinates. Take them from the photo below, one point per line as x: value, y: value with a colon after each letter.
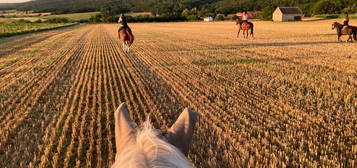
x: 191, y: 111
x: 121, y: 106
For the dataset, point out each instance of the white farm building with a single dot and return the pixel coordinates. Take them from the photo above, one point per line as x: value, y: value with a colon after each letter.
x: 282, y: 14
x: 208, y: 19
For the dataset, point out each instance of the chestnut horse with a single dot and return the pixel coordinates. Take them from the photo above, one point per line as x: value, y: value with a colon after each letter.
x: 348, y: 30
x: 246, y: 27
x: 124, y: 34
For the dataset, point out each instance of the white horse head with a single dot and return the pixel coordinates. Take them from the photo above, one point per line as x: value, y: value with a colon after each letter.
x: 148, y: 147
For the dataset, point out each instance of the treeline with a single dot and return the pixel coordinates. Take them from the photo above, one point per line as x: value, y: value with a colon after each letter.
x: 61, y: 6
x: 49, y: 20
x: 140, y: 18
x: 7, y: 6
x: 190, y: 9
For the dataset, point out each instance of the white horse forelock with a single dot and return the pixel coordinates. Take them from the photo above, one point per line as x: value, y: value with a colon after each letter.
x: 150, y: 151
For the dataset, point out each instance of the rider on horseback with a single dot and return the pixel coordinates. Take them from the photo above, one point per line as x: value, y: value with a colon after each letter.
x: 345, y: 20
x: 245, y: 25
x: 124, y: 33
x: 124, y: 24
x: 244, y: 18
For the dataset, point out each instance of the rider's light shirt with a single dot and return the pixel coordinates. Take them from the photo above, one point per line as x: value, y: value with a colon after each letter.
x: 245, y: 17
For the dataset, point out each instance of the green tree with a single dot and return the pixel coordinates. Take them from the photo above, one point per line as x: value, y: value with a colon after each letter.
x: 267, y: 13
x: 38, y: 21
x: 350, y: 9
x: 327, y: 7
x: 57, y: 20
x: 186, y: 12
x: 192, y: 17
x: 96, y: 19
x: 307, y: 8
x: 219, y: 17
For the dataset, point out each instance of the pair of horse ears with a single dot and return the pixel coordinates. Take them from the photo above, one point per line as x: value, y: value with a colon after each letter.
x: 180, y: 134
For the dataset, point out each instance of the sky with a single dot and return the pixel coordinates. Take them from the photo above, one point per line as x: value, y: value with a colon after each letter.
x: 12, y: 1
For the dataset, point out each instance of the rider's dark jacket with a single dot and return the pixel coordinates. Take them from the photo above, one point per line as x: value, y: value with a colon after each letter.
x: 124, y: 25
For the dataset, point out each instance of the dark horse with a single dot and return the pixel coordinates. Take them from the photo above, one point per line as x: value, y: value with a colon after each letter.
x: 124, y: 34
x: 348, y: 30
x: 245, y: 26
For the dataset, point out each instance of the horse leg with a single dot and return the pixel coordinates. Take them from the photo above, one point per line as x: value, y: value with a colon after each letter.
x: 127, y: 48
x: 240, y: 28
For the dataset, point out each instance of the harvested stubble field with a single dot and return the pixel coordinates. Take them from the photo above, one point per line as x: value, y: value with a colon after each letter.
x: 288, y: 98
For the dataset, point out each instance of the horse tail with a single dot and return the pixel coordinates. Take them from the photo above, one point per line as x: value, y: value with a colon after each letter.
x: 355, y: 33
x: 131, y: 38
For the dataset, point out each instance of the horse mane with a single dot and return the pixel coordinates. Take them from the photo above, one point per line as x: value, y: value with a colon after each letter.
x: 150, y: 151
x: 339, y: 24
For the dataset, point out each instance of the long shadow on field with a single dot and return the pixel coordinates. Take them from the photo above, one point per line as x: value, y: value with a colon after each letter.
x: 247, y: 45
x: 286, y: 44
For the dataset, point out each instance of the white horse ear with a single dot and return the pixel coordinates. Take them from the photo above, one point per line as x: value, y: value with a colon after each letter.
x: 124, y: 128
x: 181, y: 132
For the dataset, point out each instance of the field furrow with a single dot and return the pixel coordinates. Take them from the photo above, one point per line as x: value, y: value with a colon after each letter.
x: 29, y: 118
x: 285, y: 99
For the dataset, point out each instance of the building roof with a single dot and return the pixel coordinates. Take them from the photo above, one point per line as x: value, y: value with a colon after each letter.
x: 290, y: 10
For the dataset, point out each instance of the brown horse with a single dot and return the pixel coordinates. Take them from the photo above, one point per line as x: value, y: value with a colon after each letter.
x: 246, y: 27
x: 348, y: 30
x: 124, y: 34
